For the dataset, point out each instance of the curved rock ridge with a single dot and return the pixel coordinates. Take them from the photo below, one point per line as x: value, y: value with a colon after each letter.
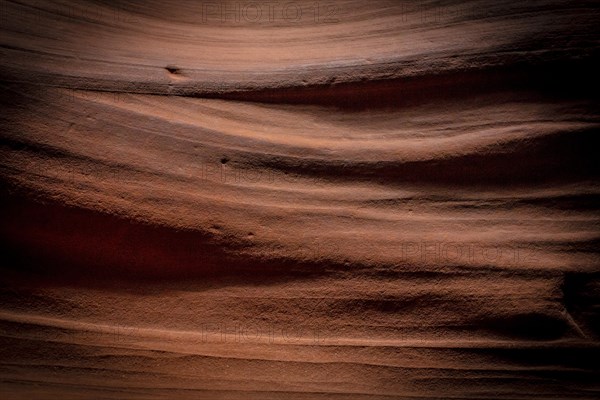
x: 332, y: 199
x: 361, y: 184
x: 211, y: 47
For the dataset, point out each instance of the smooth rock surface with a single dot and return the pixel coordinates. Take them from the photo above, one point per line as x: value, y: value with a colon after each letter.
x: 340, y: 200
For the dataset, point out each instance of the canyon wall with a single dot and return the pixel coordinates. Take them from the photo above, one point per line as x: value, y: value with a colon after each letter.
x: 302, y: 200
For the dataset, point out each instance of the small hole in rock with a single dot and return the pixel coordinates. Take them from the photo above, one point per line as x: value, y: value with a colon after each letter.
x: 224, y: 160
x: 172, y: 69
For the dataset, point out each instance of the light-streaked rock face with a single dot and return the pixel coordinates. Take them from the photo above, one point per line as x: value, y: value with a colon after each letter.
x: 353, y: 200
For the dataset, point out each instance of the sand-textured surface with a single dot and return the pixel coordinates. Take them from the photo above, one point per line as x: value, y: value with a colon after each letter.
x: 304, y: 200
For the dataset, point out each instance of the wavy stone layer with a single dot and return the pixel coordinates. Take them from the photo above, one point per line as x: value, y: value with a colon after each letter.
x: 369, y: 200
